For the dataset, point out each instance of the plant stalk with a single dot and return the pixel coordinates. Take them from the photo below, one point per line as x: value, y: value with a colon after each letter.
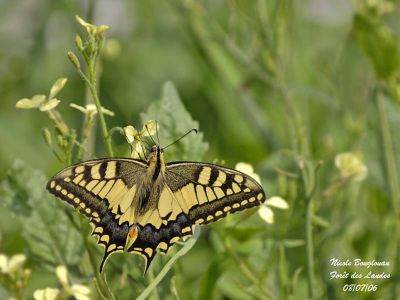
x: 96, y: 100
x: 309, y: 249
x: 393, y: 186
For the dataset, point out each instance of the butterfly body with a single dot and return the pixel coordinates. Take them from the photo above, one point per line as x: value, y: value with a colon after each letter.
x: 146, y: 206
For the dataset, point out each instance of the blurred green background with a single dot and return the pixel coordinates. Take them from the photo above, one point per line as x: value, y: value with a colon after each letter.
x: 283, y: 85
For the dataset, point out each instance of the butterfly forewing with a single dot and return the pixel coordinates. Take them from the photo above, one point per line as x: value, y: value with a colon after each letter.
x: 212, y: 191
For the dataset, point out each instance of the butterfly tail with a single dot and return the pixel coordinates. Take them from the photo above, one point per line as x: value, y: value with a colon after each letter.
x: 147, y: 262
x: 103, y: 261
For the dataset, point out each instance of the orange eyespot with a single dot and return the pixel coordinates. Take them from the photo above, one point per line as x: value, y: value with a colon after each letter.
x: 133, y: 232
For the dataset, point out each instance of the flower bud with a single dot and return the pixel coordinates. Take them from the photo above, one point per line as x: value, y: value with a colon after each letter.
x: 75, y: 61
x: 47, y: 136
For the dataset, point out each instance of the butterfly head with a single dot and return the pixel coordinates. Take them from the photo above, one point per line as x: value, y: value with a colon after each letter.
x: 155, y: 149
x: 155, y: 153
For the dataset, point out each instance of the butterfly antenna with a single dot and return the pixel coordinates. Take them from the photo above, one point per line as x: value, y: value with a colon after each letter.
x: 144, y: 152
x: 148, y: 132
x: 191, y: 130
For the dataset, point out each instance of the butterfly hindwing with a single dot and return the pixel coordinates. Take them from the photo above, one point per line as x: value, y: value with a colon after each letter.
x: 194, y: 193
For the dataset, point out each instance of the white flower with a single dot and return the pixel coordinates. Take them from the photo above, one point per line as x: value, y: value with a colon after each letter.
x: 13, y: 273
x: 42, y: 102
x: 266, y: 213
x: 57, y: 87
x: 90, y: 109
x: 11, y: 265
x: 49, y: 104
x: 134, y: 137
x: 247, y: 169
x: 3, y: 263
x: 351, y: 166
x: 46, y: 294
x: 62, y: 275
x: 35, y: 102
x: 78, y: 291
x: 38, y: 101
x: 278, y: 202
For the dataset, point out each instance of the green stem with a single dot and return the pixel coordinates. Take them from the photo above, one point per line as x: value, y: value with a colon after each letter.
x: 308, y: 172
x: 56, y: 117
x: 96, y: 100
x: 309, y: 249
x: 81, y: 149
x: 85, y: 134
x: 393, y: 185
x: 308, y: 175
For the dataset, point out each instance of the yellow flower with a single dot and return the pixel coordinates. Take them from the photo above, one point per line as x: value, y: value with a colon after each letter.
x: 351, y: 166
x: 135, y: 138
x: 266, y: 213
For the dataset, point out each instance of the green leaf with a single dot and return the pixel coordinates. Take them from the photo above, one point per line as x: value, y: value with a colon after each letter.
x: 49, y: 235
x: 174, y: 121
x: 378, y: 42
